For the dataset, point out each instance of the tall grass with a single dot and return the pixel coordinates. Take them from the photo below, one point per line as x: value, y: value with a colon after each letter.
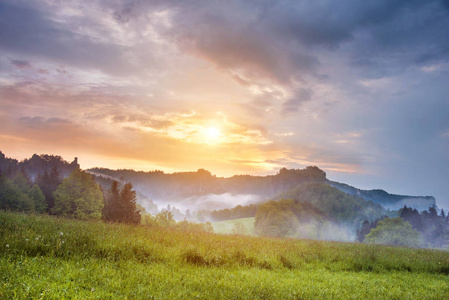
x: 48, y: 257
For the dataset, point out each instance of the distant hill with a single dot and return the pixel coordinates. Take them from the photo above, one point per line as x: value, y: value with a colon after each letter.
x: 178, y: 187
x: 344, y: 208
x: 38, y: 164
x: 192, y: 188
x: 195, y: 186
x: 390, y: 201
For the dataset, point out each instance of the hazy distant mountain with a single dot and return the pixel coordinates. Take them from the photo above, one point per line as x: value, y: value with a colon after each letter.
x: 387, y: 200
x: 190, y: 188
x: 175, y: 186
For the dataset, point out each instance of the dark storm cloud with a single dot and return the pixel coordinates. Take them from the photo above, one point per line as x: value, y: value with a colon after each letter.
x: 287, y: 41
x: 27, y: 31
x: 282, y: 39
x: 242, y: 47
x: 292, y: 104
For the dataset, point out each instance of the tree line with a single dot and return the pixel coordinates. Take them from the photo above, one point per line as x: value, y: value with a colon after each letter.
x: 411, y: 228
x: 78, y: 196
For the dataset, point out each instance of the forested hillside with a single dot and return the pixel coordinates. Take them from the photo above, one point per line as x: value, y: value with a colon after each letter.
x: 177, y: 186
x: 346, y: 209
x: 190, y: 187
x: 387, y: 200
x: 292, y: 203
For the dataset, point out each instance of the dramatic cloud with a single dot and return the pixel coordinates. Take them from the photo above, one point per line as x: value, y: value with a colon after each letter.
x: 293, y: 104
x: 356, y: 88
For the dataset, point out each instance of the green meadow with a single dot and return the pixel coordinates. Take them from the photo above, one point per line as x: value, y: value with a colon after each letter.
x: 225, y: 227
x: 43, y: 257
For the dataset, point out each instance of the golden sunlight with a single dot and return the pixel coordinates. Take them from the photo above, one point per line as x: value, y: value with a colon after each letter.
x: 211, y: 135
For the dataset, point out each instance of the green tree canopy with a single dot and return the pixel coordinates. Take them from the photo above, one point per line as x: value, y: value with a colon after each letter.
x: 13, y: 198
x: 78, y: 196
x: 283, y: 218
x: 35, y: 193
x: 395, y: 232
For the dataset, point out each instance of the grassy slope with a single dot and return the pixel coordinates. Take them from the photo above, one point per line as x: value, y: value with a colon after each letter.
x: 225, y: 227
x: 56, y: 258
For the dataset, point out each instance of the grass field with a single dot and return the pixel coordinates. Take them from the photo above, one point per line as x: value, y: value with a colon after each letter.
x: 42, y: 257
x: 225, y: 227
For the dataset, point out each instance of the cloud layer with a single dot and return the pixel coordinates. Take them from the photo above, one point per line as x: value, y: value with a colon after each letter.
x: 356, y: 88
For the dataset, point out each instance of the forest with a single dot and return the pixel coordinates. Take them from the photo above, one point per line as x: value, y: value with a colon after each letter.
x: 306, y: 206
x: 60, y: 188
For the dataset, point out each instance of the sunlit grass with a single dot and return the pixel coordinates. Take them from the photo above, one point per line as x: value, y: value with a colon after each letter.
x: 46, y: 257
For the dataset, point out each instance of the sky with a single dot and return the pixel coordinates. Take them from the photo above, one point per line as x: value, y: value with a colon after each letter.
x: 358, y: 88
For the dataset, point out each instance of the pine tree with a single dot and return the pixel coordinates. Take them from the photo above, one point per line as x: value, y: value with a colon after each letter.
x: 130, y: 214
x: 48, y: 183
x: 120, y: 206
x: 364, y: 230
x: 112, y: 205
x: 433, y: 212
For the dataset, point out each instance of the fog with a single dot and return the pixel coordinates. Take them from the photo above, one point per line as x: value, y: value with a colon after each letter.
x: 328, y: 231
x: 217, y: 201
x: 207, y: 202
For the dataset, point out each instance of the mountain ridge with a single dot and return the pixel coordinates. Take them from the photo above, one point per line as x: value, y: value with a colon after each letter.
x: 389, y: 201
x: 181, y: 185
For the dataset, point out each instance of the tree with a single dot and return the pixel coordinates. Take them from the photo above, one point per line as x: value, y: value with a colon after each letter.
x: 239, y: 229
x: 165, y: 219
x: 19, y: 195
x: 112, y: 207
x: 365, y: 228
x: 48, y: 183
x: 286, y: 217
x: 22, y: 180
x: 120, y: 206
x: 130, y: 213
x: 277, y: 223
x: 395, y: 232
x: 35, y: 193
x: 79, y: 197
x: 12, y: 198
x: 413, y: 217
x: 433, y: 215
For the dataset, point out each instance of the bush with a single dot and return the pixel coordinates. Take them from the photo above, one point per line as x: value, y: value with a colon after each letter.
x: 395, y: 232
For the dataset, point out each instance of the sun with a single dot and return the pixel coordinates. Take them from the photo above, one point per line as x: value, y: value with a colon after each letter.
x: 211, y: 135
